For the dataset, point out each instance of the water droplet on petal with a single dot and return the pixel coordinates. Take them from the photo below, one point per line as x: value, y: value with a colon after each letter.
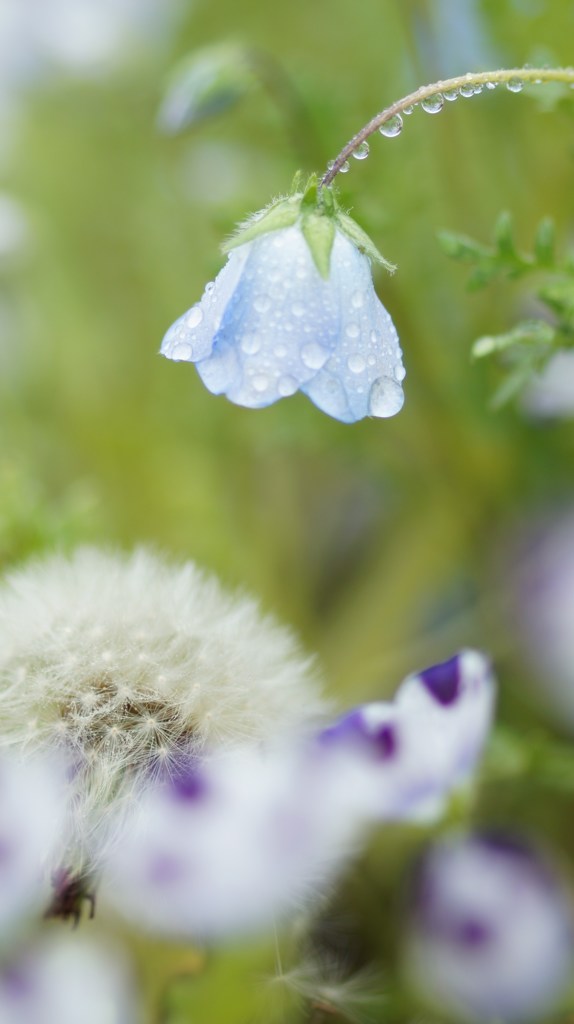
x: 287, y: 386
x: 392, y: 127
x: 261, y: 303
x: 209, y: 287
x: 194, y: 317
x: 399, y: 372
x: 357, y: 299
x: 260, y: 382
x: 434, y: 104
x: 314, y: 356
x: 280, y: 351
x: 356, y: 363
x: 362, y: 151
x: 450, y: 95
x: 344, y: 168
x: 250, y: 344
x: 182, y: 351
x: 515, y: 85
x: 352, y: 330
x: 385, y: 398
x: 298, y: 309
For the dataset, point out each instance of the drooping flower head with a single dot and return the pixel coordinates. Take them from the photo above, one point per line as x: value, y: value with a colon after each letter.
x: 295, y: 309
x: 125, y: 663
x: 490, y: 933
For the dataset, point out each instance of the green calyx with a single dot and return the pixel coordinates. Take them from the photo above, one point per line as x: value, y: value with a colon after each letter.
x: 320, y: 216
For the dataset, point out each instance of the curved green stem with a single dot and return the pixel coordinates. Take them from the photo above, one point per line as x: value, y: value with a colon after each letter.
x: 521, y: 76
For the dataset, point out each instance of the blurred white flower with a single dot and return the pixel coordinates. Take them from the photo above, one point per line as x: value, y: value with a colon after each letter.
x: 65, y: 981
x: 424, y: 745
x: 551, y: 392
x: 490, y: 931
x: 82, y: 36
x: 542, y: 590
x: 234, y: 844
x: 128, y: 663
x: 295, y: 309
x: 32, y: 833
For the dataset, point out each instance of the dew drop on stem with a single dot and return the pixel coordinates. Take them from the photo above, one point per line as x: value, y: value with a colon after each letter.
x: 392, y: 127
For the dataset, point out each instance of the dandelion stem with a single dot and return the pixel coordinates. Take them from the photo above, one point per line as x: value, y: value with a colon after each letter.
x: 426, y: 92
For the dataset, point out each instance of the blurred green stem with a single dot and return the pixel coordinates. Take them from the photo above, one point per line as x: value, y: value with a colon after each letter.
x: 296, y: 115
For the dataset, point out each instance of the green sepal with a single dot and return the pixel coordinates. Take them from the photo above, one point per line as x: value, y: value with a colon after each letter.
x: 282, y: 214
x: 358, y: 237
x: 319, y: 233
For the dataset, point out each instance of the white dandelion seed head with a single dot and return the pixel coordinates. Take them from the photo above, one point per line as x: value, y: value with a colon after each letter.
x: 124, y: 662
x: 271, y: 325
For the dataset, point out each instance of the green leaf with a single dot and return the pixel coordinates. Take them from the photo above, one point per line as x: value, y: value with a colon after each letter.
x: 205, y: 84
x: 503, y: 237
x: 358, y: 237
x: 560, y: 297
x: 463, y: 248
x: 282, y: 214
x: 544, y: 242
x: 319, y: 233
x: 532, y: 333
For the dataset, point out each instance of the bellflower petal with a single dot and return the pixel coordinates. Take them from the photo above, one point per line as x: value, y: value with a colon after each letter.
x: 426, y: 743
x: 490, y: 929
x: 271, y: 324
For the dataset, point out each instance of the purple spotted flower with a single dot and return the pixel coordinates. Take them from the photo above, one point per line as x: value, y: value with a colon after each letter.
x: 424, y: 744
x: 66, y: 981
x: 32, y: 826
x: 490, y: 932
x: 235, y: 844
x: 294, y: 309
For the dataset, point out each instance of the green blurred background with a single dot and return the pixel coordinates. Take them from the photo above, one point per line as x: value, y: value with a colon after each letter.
x: 382, y: 543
